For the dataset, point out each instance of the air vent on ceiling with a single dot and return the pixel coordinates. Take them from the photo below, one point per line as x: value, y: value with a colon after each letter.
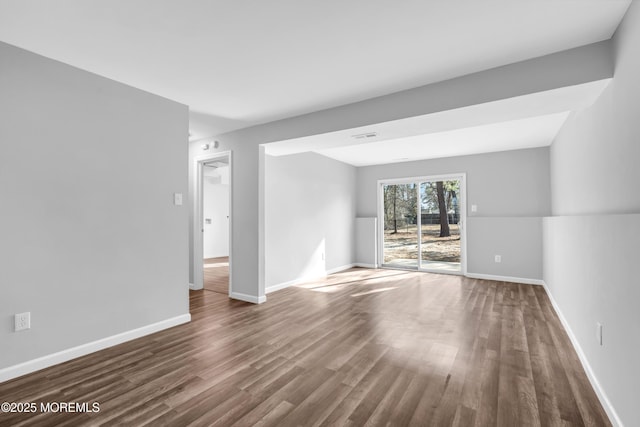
x: 365, y: 135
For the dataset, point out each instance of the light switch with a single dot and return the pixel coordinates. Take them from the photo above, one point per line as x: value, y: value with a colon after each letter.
x: 474, y: 208
x: 177, y: 199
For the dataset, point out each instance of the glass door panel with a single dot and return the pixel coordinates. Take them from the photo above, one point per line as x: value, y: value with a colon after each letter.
x: 440, y: 225
x: 400, y: 240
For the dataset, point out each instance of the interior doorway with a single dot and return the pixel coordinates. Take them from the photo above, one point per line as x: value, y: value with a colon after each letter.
x: 421, y: 223
x: 215, y: 225
x: 212, y: 223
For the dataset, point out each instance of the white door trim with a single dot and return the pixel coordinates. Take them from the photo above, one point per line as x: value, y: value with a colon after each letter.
x: 199, y: 161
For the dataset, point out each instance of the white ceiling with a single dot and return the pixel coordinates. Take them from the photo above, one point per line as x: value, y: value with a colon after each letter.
x: 515, y: 123
x: 239, y: 63
x: 511, y: 135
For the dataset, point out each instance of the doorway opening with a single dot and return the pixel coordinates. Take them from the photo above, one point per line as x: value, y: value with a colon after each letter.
x: 212, y: 225
x: 421, y: 223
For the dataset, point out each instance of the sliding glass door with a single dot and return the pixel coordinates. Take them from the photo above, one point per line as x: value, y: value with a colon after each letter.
x: 400, y: 247
x: 440, y: 247
x: 422, y: 223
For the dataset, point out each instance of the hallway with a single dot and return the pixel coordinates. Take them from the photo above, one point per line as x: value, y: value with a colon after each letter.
x: 216, y: 274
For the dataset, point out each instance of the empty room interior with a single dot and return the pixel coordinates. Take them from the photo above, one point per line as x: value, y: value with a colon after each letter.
x: 319, y: 213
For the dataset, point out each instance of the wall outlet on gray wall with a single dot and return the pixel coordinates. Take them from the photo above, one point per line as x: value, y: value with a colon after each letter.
x: 22, y: 321
x: 599, y: 332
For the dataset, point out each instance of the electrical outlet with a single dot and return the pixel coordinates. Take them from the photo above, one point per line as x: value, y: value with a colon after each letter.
x: 498, y: 258
x: 474, y: 208
x: 599, y: 332
x: 322, y: 256
x: 22, y: 321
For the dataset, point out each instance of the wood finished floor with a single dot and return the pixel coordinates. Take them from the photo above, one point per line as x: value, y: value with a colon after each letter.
x: 216, y: 274
x: 363, y: 347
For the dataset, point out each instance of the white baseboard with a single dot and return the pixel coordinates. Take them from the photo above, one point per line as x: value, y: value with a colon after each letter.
x: 299, y: 280
x: 339, y: 269
x: 364, y: 265
x: 84, y: 349
x: 602, y: 396
x: 283, y: 285
x: 505, y: 279
x: 248, y: 298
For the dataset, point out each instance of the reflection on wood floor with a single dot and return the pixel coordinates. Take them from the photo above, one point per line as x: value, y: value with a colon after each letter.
x: 216, y: 274
x: 375, y: 347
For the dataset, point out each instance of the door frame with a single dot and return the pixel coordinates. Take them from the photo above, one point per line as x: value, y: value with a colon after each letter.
x: 462, y: 176
x: 198, y: 206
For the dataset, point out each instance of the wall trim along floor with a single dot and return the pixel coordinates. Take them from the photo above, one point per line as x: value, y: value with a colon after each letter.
x: 365, y: 265
x: 91, y: 347
x: 299, y: 280
x: 602, y: 396
x: 505, y: 279
x: 248, y: 298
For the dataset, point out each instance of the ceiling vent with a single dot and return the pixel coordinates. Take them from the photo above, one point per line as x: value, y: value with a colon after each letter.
x: 365, y: 135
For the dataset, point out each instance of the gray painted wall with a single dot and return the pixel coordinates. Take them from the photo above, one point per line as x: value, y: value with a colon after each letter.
x: 91, y: 243
x: 309, y: 210
x: 580, y: 65
x: 511, y: 190
x: 590, y: 249
x: 590, y: 272
x: 366, y: 235
x: 518, y: 240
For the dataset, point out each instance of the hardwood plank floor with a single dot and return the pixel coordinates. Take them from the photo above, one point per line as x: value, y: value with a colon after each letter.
x: 362, y: 347
x: 216, y: 274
